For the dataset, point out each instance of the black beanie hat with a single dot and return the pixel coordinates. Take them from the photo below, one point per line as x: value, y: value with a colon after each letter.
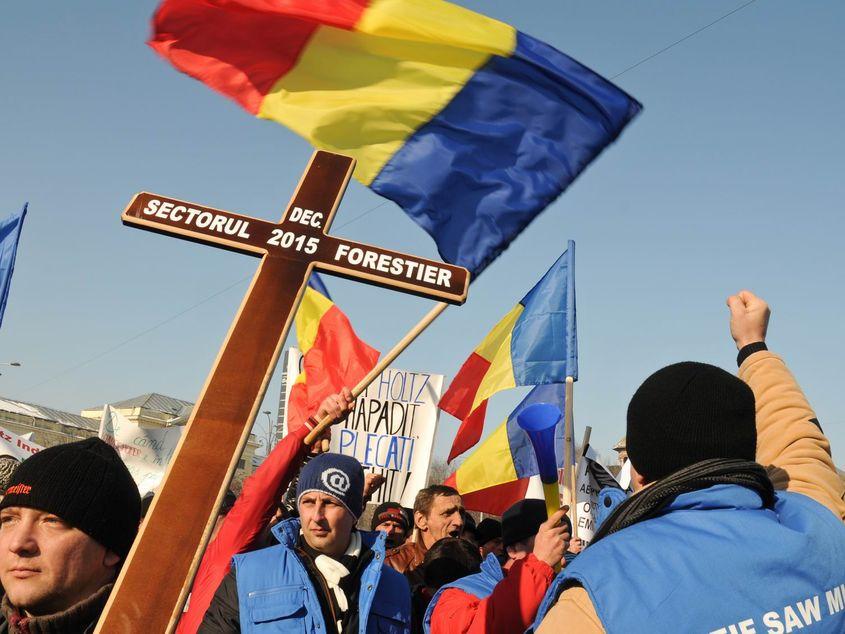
x: 686, y: 413
x: 389, y: 511
x: 488, y: 529
x: 87, y: 485
x: 522, y: 520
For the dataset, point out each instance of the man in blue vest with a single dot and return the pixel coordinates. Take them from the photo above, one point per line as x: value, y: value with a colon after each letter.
x: 712, y: 541
x: 323, y: 576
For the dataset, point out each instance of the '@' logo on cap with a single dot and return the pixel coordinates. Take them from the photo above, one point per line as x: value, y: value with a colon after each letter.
x: 335, y: 481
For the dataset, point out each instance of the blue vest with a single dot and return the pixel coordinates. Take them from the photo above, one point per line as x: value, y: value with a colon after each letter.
x: 479, y: 585
x: 717, y: 562
x: 275, y: 593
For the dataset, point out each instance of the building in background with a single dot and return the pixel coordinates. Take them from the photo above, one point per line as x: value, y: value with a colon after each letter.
x: 54, y: 427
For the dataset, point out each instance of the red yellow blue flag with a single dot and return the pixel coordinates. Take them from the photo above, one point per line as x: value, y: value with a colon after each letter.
x: 534, y: 344
x: 469, y: 125
x: 333, y: 355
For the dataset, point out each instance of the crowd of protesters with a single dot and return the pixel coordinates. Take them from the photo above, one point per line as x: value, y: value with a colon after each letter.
x: 735, y: 525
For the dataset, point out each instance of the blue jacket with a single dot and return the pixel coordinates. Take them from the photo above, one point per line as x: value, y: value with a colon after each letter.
x: 480, y: 585
x: 715, y: 561
x: 275, y: 593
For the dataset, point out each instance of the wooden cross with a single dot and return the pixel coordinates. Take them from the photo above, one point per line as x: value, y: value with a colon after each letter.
x: 151, y: 588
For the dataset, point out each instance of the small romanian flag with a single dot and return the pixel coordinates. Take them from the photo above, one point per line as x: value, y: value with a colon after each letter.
x: 495, y: 475
x: 534, y: 344
x: 333, y: 355
x: 470, y: 126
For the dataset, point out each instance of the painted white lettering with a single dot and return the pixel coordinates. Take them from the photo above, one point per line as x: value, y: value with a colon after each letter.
x: 411, y: 266
x: 317, y: 220
x: 192, y: 213
x: 835, y: 599
x: 177, y: 213
x: 790, y: 618
x: 810, y: 610
x: 164, y: 210
x: 430, y: 274
x: 152, y: 207
x: 444, y: 278
x: 355, y: 256
x: 396, y: 266
x: 217, y: 223
x: 295, y: 214
x: 204, y: 219
x: 747, y: 627
x: 772, y: 621
x: 232, y: 226
x: 370, y: 259
x: 383, y: 264
x: 243, y: 232
x: 342, y: 250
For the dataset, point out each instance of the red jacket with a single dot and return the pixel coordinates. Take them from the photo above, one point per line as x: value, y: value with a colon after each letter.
x: 511, y: 607
x: 249, y: 515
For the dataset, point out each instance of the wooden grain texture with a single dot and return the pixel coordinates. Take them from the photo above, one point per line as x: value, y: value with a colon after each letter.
x: 154, y: 581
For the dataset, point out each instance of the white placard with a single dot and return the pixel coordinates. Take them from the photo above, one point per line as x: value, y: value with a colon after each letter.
x: 145, y: 450
x: 17, y: 446
x: 391, y: 431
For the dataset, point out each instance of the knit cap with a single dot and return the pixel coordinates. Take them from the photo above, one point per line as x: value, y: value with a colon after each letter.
x: 337, y: 475
x: 389, y: 511
x: 86, y: 484
x: 686, y: 413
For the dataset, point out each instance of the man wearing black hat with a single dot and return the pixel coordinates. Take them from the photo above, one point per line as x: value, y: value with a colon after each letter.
x: 67, y: 521
x: 713, y: 541
x: 390, y: 518
x: 489, y: 532
x: 494, y: 600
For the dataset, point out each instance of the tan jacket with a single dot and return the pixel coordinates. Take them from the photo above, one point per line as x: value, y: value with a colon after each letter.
x: 794, y: 451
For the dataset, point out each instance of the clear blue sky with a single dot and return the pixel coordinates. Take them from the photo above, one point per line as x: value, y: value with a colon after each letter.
x: 731, y: 178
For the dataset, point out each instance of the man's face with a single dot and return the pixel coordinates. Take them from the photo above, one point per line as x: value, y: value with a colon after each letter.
x: 445, y: 519
x: 326, y: 524
x: 494, y: 546
x: 46, y: 565
x: 395, y: 532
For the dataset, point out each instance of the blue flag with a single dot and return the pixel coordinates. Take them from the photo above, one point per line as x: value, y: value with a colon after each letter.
x: 10, y: 233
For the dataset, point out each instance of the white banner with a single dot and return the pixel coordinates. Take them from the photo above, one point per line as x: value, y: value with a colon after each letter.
x: 391, y: 431
x: 145, y: 450
x: 17, y: 446
x: 587, y: 493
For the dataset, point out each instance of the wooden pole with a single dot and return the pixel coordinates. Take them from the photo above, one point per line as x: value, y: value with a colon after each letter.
x: 568, y: 457
x: 382, y: 365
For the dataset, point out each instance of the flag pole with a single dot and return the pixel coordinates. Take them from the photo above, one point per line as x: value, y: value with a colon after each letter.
x: 382, y: 365
x: 568, y: 457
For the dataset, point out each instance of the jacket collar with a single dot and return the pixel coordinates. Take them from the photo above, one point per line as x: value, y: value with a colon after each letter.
x: 719, y: 496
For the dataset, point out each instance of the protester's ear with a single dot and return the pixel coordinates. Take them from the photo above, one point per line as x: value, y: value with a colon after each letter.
x: 420, y: 520
x: 637, y: 481
x: 110, y: 559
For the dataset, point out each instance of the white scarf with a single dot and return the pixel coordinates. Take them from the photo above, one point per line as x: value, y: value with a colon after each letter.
x: 333, y: 571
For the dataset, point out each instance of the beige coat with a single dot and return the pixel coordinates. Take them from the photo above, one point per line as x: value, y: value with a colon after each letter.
x: 794, y: 451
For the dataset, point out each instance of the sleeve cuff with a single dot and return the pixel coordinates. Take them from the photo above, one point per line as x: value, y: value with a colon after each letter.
x: 748, y: 350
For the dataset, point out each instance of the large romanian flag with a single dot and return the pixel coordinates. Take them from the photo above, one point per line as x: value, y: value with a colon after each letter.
x: 333, y: 355
x: 495, y: 475
x: 534, y: 344
x: 472, y: 127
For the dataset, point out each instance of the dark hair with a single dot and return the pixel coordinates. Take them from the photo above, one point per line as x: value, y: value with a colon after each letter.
x: 425, y: 498
x: 449, y: 559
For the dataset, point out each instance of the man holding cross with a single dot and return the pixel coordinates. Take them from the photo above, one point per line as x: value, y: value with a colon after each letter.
x: 323, y: 576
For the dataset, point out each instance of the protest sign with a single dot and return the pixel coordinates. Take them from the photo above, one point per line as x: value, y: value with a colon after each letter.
x: 146, y: 451
x: 592, y: 477
x: 391, y: 430
x: 16, y: 446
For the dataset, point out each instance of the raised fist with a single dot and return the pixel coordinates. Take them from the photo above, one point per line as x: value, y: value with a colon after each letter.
x: 749, y: 318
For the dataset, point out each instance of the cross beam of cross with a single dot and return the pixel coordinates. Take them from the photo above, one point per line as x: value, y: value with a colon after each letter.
x: 151, y: 588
